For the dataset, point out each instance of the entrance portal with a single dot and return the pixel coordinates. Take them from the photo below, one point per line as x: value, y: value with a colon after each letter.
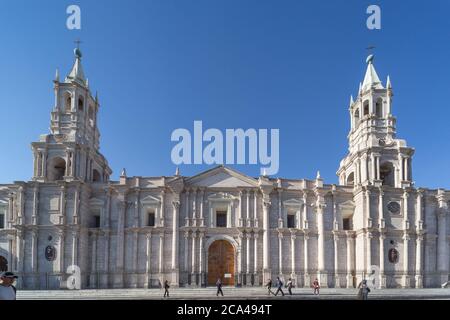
x: 221, y: 262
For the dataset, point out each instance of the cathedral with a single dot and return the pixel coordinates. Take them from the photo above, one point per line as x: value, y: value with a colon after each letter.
x: 140, y: 231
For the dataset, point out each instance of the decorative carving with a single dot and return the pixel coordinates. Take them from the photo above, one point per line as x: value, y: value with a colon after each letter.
x: 393, y: 207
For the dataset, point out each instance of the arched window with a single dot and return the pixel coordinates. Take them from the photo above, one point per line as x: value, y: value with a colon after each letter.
x: 91, y: 116
x: 56, y: 169
x: 387, y: 174
x: 96, y: 177
x: 379, y: 108
x: 351, y: 179
x: 3, y: 264
x: 80, y: 104
x: 67, y: 102
x: 356, y: 117
x: 366, y: 107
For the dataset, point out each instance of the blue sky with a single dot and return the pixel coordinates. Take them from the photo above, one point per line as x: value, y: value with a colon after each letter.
x: 292, y: 65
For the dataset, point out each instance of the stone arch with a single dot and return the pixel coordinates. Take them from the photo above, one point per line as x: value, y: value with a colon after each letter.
x: 67, y: 101
x: 80, y: 103
x: 220, y: 268
x: 56, y: 169
x: 379, y: 108
x: 350, y: 181
x: 387, y: 174
x: 3, y: 264
x: 366, y: 110
x: 96, y: 176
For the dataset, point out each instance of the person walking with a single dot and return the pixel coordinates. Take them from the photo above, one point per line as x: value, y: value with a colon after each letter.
x: 7, y: 290
x: 316, y: 286
x: 289, y: 286
x: 166, y: 288
x: 269, y: 287
x: 219, y: 287
x: 279, y: 287
x: 363, y: 292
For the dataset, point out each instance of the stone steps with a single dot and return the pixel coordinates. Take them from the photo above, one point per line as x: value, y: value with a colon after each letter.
x: 230, y: 293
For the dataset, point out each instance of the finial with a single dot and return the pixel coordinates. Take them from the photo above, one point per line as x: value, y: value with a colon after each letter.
x: 318, y: 175
x: 77, y: 50
x: 388, y: 83
x: 123, y: 173
x: 87, y: 83
x: 177, y: 171
x: 264, y: 172
x: 57, y: 75
x: 370, y: 58
x: 360, y: 88
x: 351, y: 100
x: 96, y: 96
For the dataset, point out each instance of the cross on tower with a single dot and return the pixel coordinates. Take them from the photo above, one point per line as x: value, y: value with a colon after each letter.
x: 77, y: 42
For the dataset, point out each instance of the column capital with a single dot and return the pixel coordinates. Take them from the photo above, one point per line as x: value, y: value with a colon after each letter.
x: 186, y: 234
x: 176, y: 204
x: 280, y: 235
x: 267, y: 204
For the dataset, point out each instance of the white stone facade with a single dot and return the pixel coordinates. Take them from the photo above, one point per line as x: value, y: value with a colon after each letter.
x: 140, y: 231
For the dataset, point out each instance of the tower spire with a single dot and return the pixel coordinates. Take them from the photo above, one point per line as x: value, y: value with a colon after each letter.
x: 371, y: 79
x: 77, y: 73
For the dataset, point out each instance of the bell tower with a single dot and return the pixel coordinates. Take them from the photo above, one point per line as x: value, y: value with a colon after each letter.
x: 375, y: 156
x: 71, y: 150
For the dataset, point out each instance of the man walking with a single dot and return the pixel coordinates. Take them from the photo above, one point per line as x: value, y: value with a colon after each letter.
x: 269, y: 287
x: 279, y: 287
x: 364, y: 290
x: 316, y: 286
x: 7, y: 290
x: 219, y: 287
x: 166, y: 288
x: 289, y: 286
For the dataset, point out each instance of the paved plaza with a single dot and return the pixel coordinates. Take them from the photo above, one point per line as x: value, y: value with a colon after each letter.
x: 230, y: 293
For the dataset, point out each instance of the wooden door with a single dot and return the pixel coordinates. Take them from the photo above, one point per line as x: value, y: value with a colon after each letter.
x: 221, y: 263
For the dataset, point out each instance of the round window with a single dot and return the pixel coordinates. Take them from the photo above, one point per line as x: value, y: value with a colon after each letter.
x: 393, y: 207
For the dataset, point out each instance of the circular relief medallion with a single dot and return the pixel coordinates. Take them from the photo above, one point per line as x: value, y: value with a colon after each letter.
x: 393, y: 207
x: 50, y: 253
x: 393, y: 255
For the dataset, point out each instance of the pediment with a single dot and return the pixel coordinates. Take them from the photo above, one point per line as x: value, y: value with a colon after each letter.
x: 293, y: 203
x: 221, y: 196
x: 95, y: 202
x: 150, y: 200
x: 222, y: 177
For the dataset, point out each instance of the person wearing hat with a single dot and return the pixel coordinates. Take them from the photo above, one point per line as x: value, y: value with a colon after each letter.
x: 7, y: 290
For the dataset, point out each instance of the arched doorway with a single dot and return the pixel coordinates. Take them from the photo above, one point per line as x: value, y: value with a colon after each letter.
x: 221, y: 262
x: 3, y: 264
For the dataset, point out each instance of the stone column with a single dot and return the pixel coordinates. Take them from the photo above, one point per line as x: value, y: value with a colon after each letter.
x: 378, y: 167
x: 122, y: 206
x: 247, y: 214
x: 201, y: 236
x: 106, y: 262
x: 75, y: 247
x: 280, y: 253
x: 369, y: 237
x: 255, y: 256
x: 60, y: 249
x: 405, y: 278
x: 248, y: 236
x: 305, y: 210
x: 419, y: 240
x: 240, y: 259
x: 148, y: 265
x: 320, y: 205
x: 134, y: 280
x: 194, y: 208
x: 161, y: 257
x: 442, y: 244
x: 280, y: 217
x: 34, y: 215
x: 381, y: 221
x: 160, y: 221
x: 293, y: 238
x: 350, y: 245
x: 93, y: 275
x: 373, y: 162
x: 175, y: 244
x: 241, y: 205
x: 255, y: 209
x: 266, y: 243
x: 187, y: 206
x: 193, y: 268
x: 307, y: 281
x: 382, y: 255
x: 202, y: 213
x: 34, y: 257
x: 336, y: 261
x: 186, y: 251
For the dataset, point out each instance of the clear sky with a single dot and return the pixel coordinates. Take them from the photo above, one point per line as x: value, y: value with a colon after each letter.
x: 292, y: 65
